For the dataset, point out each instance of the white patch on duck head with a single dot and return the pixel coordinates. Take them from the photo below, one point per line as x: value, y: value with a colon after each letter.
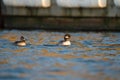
x: 67, y: 37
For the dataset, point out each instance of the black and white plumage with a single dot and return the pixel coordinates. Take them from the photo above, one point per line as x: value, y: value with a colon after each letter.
x: 66, y: 41
x: 22, y: 42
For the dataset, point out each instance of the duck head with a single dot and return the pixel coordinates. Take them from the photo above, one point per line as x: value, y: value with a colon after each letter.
x: 22, y: 38
x: 67, y: 37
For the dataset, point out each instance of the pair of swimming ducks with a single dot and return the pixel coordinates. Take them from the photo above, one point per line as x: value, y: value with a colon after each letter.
x: 65, y: 42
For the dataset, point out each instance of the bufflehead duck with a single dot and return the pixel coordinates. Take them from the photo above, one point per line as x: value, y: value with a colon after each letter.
x: 66, y: 41
x: 22, y: 42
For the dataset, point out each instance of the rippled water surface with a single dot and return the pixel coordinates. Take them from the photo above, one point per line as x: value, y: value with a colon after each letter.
x: 92, y: 56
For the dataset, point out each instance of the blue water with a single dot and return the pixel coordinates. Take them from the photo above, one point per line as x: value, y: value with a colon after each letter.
x: 92, y: 56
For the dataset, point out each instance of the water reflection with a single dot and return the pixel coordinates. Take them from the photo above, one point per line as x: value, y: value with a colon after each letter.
x: 92, y: 56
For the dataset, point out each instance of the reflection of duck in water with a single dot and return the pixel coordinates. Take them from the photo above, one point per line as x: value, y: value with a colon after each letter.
x: 22, y: 42
x: 66, y: 41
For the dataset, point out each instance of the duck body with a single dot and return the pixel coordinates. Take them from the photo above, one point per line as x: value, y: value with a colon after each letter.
x: 66, y: 41
x: 22, y: 42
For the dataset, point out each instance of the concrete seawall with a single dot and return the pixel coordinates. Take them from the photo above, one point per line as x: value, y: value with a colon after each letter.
x: 56, y: 17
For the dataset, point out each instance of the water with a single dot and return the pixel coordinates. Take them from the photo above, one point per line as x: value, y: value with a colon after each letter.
x: 92, y: 56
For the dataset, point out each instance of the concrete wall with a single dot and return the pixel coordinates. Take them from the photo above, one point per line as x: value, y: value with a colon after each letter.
x: 1, y: 18
x: 61, y: 18
x: 111, y: 10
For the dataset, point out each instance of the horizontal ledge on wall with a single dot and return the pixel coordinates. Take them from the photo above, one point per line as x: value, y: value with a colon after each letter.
x: 62, y: 23
x: 117, y: 3
x: 27, y: 3
x: 82, y: 3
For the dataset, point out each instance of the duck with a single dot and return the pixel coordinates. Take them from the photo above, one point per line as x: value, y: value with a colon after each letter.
x: 66, y: 41
x: 22, y: 42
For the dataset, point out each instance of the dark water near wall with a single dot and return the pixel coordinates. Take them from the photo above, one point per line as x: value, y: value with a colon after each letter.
x: 92, y: 56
